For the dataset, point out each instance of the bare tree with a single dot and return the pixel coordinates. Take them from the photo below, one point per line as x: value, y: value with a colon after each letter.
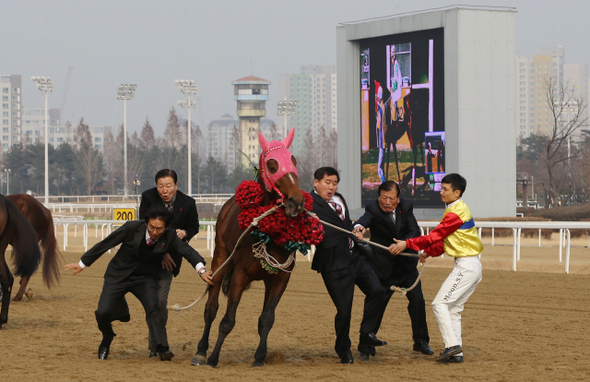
x: 89, y: 160
x: 147, y: 137
x: 172, y: 132
x: 568, y: 115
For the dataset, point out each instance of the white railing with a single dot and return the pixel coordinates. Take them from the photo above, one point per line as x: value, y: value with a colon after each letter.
x: 200, y: 198
x: 517, y: 227
x: 106, y: 227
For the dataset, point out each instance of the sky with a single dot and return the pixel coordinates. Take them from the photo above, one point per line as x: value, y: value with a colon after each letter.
x: 153, y: 42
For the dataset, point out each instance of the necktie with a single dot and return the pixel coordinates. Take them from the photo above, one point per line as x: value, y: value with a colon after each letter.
x: 392, y: 215
x: 338, y: 208
x: 151, y: 241
x: 169, y: 206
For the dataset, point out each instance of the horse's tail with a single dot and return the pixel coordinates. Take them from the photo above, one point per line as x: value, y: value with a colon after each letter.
x: 51, y: 255
x: 26, y: 254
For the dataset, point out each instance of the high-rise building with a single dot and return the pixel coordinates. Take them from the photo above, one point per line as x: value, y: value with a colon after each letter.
x: 533, y: 115
x: 11, y: 110
x: 251, y: 93
x: 314, y: 89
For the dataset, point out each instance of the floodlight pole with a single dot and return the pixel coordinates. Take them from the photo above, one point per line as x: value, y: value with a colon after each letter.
x: 125, y: 92
x: 45, y: 85
x: 188, y: 88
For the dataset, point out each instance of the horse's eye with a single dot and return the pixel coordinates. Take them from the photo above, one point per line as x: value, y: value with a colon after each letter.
x: 294, y: 161
x: 273, y: 166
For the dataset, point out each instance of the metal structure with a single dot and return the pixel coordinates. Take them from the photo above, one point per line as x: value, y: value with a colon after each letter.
x: 45, y: 85
x: 188, y: 88
x: 286, y: 108
x: 7, y: 171
x: 125, y: 92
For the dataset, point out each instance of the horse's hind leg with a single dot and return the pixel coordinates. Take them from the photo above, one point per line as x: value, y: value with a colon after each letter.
x: 24, y: 281
x: 6, y: 279
x: 272, y: 296
x: 239, y: 282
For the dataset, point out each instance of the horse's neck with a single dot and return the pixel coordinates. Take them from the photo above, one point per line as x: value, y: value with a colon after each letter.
x: 268, y: 196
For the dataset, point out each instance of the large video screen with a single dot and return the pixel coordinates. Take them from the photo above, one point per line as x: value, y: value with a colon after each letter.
x: 402, y: 115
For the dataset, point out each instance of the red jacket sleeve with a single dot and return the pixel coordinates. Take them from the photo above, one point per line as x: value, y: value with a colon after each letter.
x: 450, y: 223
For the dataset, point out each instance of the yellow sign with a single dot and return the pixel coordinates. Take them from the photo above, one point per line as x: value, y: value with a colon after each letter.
x: 123, y: 213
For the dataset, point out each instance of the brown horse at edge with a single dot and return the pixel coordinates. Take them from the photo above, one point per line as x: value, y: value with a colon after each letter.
x: 42, y: 222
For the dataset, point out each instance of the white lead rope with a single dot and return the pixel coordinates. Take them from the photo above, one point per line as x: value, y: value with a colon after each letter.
x: 364, y: 241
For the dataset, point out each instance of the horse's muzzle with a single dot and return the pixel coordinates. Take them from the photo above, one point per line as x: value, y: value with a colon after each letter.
x: 293, y: 208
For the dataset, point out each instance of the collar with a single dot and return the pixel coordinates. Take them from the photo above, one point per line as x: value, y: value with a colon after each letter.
x: 452, y: 204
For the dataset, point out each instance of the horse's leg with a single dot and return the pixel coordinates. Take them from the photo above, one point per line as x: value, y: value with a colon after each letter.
x: 24, y: 281
x: 210, y: 313
x: 6, y: 279
x: 239, y: 282
x: 275, y: 287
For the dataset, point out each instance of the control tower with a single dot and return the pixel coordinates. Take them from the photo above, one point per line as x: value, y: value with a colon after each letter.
x: 251, y: 93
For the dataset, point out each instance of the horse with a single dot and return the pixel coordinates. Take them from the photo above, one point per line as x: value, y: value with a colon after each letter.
x: 278, y: 178
x: 42, y: 222
x: 413, y: 122
x: 26, y: 255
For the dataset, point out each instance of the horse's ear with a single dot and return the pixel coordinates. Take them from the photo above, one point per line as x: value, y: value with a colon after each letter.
x: 287, y: 142
x: 263, y: 142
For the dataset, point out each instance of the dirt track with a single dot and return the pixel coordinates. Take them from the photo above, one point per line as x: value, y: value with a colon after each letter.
x: 518, y: 326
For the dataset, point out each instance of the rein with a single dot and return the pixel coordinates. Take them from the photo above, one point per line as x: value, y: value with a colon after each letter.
x: 178, y: 307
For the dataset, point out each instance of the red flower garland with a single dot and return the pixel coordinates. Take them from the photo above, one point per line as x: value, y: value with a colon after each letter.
x: 283, y: 230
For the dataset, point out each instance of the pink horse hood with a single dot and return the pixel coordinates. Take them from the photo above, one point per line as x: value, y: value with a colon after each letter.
x: 278, y: 151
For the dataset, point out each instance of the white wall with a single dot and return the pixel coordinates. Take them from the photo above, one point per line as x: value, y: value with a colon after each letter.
x: 480, y: 118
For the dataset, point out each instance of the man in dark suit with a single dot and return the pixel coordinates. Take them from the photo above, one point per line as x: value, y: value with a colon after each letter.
x: 185, y: 222
x: 342, y: 267
x: 135, y: 268
x: 389, y: 217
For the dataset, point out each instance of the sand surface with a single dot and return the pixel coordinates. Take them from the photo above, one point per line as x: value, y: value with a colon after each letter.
x: 529, y: 325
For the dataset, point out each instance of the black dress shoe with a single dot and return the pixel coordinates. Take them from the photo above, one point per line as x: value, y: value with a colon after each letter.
x: 347, y: 358
x: 449, y: 352
x: 166, y: 355
x: 455, y: 359
x: 363, y: 356
x: 423, y: 348
x: 370, y: 340
x: 103, y: 352
x: 153, y: 353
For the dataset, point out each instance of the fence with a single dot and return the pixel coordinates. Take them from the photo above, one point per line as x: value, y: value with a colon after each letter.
x: 106, y: 227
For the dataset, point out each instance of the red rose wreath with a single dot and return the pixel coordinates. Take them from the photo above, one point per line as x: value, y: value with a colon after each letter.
x: 297, y: 233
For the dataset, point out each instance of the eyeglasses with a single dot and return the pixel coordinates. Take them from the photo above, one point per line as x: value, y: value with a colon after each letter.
x: 151, y: 228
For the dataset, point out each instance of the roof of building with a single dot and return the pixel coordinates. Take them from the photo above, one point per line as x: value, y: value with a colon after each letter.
x: 251, y: 79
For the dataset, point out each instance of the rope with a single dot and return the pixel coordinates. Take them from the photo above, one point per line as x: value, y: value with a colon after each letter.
x: 364, y: 241
x: 260, y: 252
x: 403, y: 291
x: 178, y: 307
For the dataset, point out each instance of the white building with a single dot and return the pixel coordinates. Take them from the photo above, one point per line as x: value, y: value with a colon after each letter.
x: 315, y: 90
x: 11, y: 110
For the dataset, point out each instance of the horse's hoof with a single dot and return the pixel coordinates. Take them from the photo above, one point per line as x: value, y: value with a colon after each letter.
x: 257, y: 363
x: 198, y: 360
x: 29, y: 293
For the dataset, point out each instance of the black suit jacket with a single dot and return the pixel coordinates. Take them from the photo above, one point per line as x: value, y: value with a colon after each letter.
x: 129, y: 256
x: 333, y: 252
x: 185, y: 215
x: 383, y: 230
